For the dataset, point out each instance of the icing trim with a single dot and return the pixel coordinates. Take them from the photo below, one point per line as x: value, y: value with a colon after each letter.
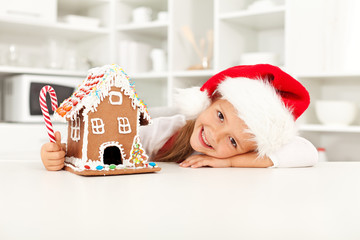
x: 124, y: 125
x: 97, y: 126
x: 111, y: 144
x: 85, y: 137
x: 75, y: 129
x: 117, y: 94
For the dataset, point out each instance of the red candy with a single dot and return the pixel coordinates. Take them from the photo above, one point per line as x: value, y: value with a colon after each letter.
x: 79, y: 95
x: 74, y: 102
x: 85, y: 90
x: 87, y: 167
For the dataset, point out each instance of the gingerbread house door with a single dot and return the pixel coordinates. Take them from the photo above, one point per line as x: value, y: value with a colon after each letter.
x: 111, y: 153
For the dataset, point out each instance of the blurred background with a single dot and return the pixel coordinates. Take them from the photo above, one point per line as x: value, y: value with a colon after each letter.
x: 168, y: 44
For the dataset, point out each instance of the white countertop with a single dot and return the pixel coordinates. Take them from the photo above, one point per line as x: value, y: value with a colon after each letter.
x: 321, y: 202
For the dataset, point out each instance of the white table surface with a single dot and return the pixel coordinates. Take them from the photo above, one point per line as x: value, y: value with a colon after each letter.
x: 321, y: 202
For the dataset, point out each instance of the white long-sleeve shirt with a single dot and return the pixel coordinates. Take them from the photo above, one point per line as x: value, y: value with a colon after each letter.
x: 297, y: 153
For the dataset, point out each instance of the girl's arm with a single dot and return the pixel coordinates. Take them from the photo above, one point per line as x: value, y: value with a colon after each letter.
x: 250, y: 160
x: 298, y: 153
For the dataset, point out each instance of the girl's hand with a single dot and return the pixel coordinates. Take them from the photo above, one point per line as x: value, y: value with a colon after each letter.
x: 53, y: 154
x: 201, y: 160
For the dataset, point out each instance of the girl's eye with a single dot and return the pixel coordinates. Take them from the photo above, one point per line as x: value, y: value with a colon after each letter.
x: 220, y: 116
x: 233, y: 142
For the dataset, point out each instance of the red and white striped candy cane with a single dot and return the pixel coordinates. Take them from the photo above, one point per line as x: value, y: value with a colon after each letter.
x: 45, y: 111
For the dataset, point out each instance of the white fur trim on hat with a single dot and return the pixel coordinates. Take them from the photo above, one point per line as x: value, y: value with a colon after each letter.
x: 263, y: 111
x: 191, y: 101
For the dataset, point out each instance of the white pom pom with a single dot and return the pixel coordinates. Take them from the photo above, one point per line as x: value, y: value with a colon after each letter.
x: 191, y: 101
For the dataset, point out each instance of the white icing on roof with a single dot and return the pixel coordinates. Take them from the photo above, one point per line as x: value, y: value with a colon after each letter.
x: 95, y: 88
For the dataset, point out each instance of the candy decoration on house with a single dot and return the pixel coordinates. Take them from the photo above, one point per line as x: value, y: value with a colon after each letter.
x: 137, y: 154
x: 45, y: 111
x: 104, y: 116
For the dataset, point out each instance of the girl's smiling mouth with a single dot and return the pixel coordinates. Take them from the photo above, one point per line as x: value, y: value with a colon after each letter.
x: 203, y: 139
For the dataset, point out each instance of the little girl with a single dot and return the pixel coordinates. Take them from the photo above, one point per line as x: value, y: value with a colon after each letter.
x: 243, y: 116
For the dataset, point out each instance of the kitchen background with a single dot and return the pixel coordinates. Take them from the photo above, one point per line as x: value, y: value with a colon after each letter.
x: 168, y: 44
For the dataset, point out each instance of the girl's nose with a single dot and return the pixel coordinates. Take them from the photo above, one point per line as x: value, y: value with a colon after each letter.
x: 220, y: 133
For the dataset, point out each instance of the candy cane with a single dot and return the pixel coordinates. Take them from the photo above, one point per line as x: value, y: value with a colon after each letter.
x: 45, y: 111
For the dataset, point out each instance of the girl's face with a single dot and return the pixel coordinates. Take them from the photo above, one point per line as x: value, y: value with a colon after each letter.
x: 220, y: 133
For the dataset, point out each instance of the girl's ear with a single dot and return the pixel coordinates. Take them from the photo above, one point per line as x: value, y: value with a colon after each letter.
x: 215, y: 96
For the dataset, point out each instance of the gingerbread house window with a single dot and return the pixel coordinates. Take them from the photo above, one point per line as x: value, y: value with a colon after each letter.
x: 124, y: 125
x: 97, y: 125
x: 75, y: 130
x: 115, y: 98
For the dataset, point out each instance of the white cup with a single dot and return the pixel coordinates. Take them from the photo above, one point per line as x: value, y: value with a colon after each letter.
x: 13, y: 55
x: 162, y: 16
x: 56, y: 53
x: 71, y: 59
x: 158, y: 58
x: 141, y: 14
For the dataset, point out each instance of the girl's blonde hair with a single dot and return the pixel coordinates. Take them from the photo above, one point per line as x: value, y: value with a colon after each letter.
x: 181, y: 148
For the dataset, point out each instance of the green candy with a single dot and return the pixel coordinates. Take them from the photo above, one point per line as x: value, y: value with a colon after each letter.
x: 112, y: 166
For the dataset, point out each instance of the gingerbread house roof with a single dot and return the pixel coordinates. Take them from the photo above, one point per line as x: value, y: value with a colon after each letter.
x: 95, y: 88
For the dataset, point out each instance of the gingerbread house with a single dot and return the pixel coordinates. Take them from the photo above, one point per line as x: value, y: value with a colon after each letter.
x: 104, y: 115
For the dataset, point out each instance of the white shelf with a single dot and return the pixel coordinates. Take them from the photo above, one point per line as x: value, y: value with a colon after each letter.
x: 334, y: 129
x: 56, y: 29
x: 150, y: 75
x: 261, y: 19
x: 9, y: 70
x: 329, y: 76
x: 79, y: 5
x: 155, y: 28
x: 194, y: 73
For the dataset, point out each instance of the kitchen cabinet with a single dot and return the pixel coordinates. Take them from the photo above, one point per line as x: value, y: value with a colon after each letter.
x: 322, y: 53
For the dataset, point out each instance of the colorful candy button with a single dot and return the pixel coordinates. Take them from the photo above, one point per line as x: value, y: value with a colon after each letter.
x: 99, y: 167
x: 152, y: 164
x: 61, y: 111
x: 112, y: 166
x: 87, y: 166
x: 67, y: 107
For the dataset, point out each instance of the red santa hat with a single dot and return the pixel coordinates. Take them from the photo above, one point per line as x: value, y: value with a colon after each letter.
x: 267, y: 99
